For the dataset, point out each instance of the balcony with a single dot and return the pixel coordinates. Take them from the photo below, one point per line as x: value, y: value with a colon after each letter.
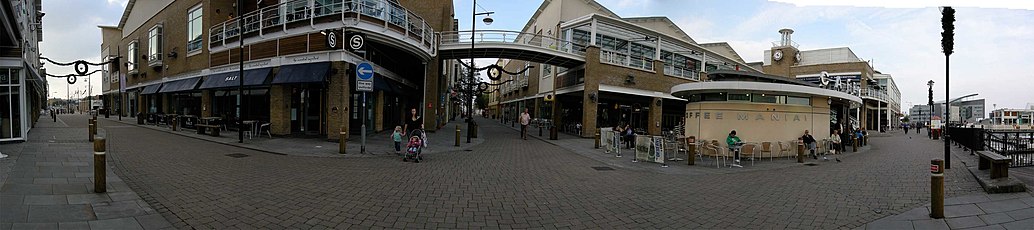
x: 675, y: 71
x: 875, y: 94
x: 302, y: 16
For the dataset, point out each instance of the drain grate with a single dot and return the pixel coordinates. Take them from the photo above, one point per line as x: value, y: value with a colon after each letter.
x: 603, y: 168
x: 237, y: 155
x: 811, y: 164
x: 468, y: 150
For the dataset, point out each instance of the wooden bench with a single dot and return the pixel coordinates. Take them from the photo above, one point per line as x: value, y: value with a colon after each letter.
x: 998, y: 164
x: 214, y: 129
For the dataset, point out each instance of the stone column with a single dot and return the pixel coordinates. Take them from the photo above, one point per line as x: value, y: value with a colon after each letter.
x: 653, y: 119
x: 166, y: 106
x: 378, y: 112
x: 431, y: 74
x: 592, y: 87
x: 280, y: 110
x: 338, y: 96
x: 206, y: 103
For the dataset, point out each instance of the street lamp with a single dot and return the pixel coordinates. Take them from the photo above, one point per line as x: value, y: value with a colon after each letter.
x: 929, y: 115
x: 470, y: 96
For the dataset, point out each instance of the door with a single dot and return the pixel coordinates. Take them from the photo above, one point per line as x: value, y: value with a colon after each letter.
x: 306, y: 111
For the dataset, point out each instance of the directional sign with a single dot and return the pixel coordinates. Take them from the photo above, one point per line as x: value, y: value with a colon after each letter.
x: 364, y: 86
x: 356, y: 41
x: 364, y: 71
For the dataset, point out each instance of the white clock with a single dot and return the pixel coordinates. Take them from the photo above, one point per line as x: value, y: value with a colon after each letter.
x: 798, y: 56
x: 778, y: 55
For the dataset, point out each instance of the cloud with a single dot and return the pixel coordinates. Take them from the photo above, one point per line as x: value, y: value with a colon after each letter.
x: 121, y: 3
x: 70, y: 33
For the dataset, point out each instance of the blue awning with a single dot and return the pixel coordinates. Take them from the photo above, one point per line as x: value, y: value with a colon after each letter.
x: 225, y: 80
x: 302, y: 73
x: 180, y: 85
x: 151, y: 89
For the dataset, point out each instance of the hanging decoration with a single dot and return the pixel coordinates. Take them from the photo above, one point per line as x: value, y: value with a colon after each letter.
x: 82, y: 68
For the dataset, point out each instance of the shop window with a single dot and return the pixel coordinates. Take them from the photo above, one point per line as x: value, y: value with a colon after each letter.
x: 739, y: 97
x: 194, y: 29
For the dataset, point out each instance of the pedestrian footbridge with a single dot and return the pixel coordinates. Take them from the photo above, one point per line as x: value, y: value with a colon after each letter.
x: 510, y: 45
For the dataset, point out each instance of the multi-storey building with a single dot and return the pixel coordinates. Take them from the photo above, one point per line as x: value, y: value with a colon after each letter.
x: 23, y: 87
x: 623, y: 70
x: 299, y: 69
x: 1018, y: 117
x: 841, y: 69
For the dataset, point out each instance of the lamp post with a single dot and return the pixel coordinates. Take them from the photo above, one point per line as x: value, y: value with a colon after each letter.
x: 470, y: 96
x: 929, y: 115
x: 947, y: 45
x: 240, y: 72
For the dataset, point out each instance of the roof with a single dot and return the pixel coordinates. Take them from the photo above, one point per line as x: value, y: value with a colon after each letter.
x: 125, y: 14
x: 724, y: 49
x: 828, y: 56
x: 664, y: 22
x: 545, y: 3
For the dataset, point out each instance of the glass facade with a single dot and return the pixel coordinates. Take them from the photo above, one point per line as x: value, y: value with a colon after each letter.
x: 11, y: 108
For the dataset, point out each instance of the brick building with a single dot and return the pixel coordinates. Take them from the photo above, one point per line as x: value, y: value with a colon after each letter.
x: 182, y: 57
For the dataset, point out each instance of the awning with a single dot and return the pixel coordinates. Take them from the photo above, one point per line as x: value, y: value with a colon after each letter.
x: 151, y: 89
x: 180, y: 85
x: 646, y: 93
x: 224, y: 80
x: 302, y: 73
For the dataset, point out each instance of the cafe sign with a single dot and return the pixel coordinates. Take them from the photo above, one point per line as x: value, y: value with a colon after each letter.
x: 749, y: 116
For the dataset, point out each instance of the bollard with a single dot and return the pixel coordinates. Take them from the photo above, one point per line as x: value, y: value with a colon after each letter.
x: 597, y: 137
x: 854, y: 144
x: 691, y: 157
x: 937, y: 189
x: 174, y: 123
x: 457, y: 136
x: 800, y: 151
x: 99, y: 166
x: 342, y: 141
x: 540, y: 130
x: 552, y: 132
x: 91, y: 132
x: 475, y: 130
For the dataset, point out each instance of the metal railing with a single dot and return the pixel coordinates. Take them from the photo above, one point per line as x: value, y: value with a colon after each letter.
x: 283, y: 16
x: 676, y: 71
x: 1015, y: 144
x: 873, y: 93
x: 621, y: 59
x: 514, y: 37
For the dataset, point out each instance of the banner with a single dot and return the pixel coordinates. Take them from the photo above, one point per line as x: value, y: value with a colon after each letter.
x: 607, y: 138
x: 643, y: 144
x: 658, y: 150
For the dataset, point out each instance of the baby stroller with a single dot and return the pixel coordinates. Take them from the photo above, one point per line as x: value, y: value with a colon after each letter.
x: 414, y: 147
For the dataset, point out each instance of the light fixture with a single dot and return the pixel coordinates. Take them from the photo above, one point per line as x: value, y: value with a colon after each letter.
x: 488, y: 19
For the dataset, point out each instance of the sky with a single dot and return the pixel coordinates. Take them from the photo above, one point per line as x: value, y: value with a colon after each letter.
x: 992, y: 43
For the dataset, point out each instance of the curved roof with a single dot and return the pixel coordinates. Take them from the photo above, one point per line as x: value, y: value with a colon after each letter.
x: 683, y: 90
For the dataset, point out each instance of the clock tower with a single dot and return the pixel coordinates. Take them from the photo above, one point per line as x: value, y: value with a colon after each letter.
x: 783, y: 55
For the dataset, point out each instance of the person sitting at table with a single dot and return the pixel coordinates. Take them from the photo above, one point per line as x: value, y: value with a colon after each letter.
x: 735, y: 144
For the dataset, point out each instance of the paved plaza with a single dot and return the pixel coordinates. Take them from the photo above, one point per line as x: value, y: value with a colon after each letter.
x: 498, y: 181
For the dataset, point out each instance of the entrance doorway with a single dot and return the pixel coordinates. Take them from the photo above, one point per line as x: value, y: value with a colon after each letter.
x: 307, y: 110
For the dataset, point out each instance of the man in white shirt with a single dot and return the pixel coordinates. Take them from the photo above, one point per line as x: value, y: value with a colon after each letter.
x: 525, y: 120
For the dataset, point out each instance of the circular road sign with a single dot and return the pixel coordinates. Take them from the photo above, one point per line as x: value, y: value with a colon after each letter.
x: 364, y: 71
x: 355, y: 42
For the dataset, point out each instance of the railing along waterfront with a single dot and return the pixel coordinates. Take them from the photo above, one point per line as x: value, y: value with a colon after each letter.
x: 511, y: 37
x: 280, y: 17
x: 1015, y: 144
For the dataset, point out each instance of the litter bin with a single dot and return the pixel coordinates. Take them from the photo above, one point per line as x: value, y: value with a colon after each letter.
x: 552, y: 133
x: 140, y: 118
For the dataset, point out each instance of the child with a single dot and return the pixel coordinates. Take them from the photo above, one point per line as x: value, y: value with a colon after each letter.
x: 397, y: 137
x: 414, y: 144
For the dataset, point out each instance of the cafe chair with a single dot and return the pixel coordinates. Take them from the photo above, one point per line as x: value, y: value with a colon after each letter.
x: 266, y: 127
x: 767, y: 147
x: 716, y: 152
x: 783, y: 148
x: 749, y: 149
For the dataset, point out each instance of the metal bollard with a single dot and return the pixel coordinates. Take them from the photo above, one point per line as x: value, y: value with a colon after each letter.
x: 854, y: 144
x: 99, y: 166
x: 540, y: 130
x: 800, y: 151
x: 457, y: 135
x: 937, y: 189
x: 92, y: 131
x: 342, y: 141
x: 475, y: 130
x: 175, y: 123
x: 691, y: 153
x: 597, y: 137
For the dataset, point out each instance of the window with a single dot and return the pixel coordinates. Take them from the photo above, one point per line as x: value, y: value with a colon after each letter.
x: 713, y: 97
x: 766, y: 98
x: 798, y: 100
x: 739, y: 97
x: 131, y: 54
x: 547, y: 71
x: 194, y: 30
x: 154, y: 45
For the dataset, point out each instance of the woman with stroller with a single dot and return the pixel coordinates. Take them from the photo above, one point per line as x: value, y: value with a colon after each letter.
x: 413, y: 149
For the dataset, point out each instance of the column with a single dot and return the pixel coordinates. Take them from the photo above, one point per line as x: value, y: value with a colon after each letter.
x: 338, y: 96
x: 378, y: 112
x: 654, y: 118
x: 280, y: 110
x: 206, y: 103
x: 593, y: 72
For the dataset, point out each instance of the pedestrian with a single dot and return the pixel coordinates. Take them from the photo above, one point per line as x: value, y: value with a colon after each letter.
x: 396, y: 136
x: 413, y: 122
x: 835, y: 138
x: 810, y: 142
x: 735, y: 144
x: 629, y: 135
x: 525, y: 120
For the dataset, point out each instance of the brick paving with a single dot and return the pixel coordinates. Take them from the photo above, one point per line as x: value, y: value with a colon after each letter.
x: 506, y: 182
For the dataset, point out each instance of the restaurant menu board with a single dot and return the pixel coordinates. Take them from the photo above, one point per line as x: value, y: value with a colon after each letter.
x: 658, y: 150
x: 607, y: 138
x: 643, y: 144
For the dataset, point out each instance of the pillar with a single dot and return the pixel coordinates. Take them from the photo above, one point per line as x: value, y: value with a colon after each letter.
x: 338, y: 96
x: 206, y: 103
x: 592, y: 87
x: 280, y: 110
x: 431, y: 91
x: 653, y: 120
x: 166, y: 105
x: 378, y: 112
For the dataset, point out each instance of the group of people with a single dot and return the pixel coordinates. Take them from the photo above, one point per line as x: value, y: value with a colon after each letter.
x: 413, y: 127
x: 836, y: 140
x: 918, y: 127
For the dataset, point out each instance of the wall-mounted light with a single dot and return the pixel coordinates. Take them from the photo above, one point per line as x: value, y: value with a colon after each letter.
x: 592, y: 97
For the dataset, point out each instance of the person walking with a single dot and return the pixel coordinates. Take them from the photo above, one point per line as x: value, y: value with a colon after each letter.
x: 809, y: 141
x: 735, y: 144
x: 396, y: 136
x: 413, y: 122
x: 629, y: 135
x: 835, y: 138
x: 525, y: 120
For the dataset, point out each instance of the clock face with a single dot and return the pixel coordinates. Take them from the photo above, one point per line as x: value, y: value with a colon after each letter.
x: 778, y: 55
x: 797, y: 56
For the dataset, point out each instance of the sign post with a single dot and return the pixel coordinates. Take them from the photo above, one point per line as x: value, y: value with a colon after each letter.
x: 364, y: 83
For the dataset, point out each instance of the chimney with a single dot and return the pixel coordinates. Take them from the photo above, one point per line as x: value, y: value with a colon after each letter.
x: 786, y: 41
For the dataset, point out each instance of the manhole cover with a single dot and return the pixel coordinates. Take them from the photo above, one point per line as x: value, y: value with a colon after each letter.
x: 237, y: 155
x: 811, y: 164
x: 603, y: 168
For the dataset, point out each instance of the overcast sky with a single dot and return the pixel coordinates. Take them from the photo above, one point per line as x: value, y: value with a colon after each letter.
x: 902, y: 38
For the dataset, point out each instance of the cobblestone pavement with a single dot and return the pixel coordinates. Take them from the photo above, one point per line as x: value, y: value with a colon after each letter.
x: 506, y: 182
x: 48, y: 183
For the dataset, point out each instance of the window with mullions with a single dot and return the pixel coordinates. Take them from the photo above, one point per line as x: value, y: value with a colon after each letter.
x: 767, y: 98
x: 739, y: 97
x: 643, y: 51
x: 798, y: 100
x: 194, y: 30
x: 611, y: 43
x: 580, y: 38
x: 154, y: 45
x: 712, y: 97
x: 131, y: 57
x: 678, y: 60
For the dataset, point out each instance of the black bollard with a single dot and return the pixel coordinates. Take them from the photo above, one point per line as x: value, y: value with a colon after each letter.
x: 99, y: 166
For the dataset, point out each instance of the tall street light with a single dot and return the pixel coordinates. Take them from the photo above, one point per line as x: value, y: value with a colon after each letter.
x: 947, y: 44
x: 470, y: 96
x: 929, y: 115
